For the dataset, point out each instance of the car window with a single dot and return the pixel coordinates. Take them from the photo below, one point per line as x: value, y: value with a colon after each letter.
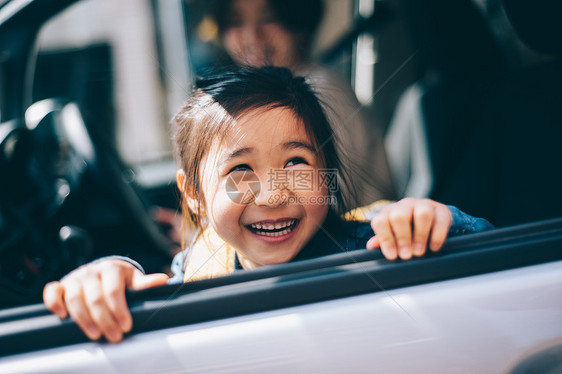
x: 125, y: 63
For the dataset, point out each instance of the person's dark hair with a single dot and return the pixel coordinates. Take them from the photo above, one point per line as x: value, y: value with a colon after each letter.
x: 299, y: 17
x: 221, y: 99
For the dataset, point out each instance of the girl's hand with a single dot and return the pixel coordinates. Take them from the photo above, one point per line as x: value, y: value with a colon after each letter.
x: 94, y: 296
x: 404, y: 229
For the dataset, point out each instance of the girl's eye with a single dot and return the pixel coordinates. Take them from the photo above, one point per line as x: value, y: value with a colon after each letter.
x: 295, y: 161
x: 240, y: 167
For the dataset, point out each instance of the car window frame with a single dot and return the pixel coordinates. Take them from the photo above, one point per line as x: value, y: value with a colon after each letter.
x: 274, y: 287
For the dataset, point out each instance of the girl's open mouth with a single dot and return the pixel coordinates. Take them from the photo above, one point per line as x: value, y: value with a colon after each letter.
x: 273, y: 229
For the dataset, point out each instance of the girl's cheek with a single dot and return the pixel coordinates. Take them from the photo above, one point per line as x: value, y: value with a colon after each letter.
x: 226, y: 212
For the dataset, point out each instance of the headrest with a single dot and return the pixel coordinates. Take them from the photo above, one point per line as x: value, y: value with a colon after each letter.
x: 537, y: 23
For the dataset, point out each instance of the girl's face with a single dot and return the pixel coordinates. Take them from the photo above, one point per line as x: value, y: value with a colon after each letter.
x: 254, y: 37
x: 262, y: 190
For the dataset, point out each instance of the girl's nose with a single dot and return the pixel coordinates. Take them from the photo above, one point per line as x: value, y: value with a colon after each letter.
x: 273, y: 193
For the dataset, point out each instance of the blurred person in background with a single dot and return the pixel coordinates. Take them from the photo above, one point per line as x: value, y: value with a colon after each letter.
x: 281, y: 33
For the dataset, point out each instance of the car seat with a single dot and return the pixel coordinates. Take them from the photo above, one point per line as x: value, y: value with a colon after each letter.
x: 490, y: 137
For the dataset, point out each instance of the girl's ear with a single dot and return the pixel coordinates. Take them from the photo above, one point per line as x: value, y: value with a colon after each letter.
x: 187, y: 192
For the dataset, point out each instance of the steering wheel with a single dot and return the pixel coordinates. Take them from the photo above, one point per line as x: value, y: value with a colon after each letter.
x: 82, y: 151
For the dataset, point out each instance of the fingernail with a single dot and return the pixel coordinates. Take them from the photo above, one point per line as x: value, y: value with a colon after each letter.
x: 390, y: 254
x: 126, y: 325
x: 94, y: 332
x: 419, y: 249
x: 405, y: 252
x: 61, y: 313
x: 114, y: 336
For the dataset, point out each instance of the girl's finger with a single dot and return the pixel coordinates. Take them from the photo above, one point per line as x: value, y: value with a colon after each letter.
x: 373, y: 243
x: 424, y: 214
x: 53, y: 297
x: 381, y: 227
x: 113, y: 285
x: 99, y: 311
x: 440, y: 228
x: 401, y: 224
x: 141, y: 281
x: 77, y: 309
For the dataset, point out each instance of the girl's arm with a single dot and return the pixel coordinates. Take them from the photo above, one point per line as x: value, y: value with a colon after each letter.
x: 406, y: 228
x: 94, y: 296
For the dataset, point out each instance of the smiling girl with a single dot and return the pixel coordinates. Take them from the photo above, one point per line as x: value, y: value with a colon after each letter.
x: 261, y: 182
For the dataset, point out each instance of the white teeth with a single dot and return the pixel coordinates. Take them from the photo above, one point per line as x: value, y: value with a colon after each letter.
x: 271, y: 226
x: 278, y: 233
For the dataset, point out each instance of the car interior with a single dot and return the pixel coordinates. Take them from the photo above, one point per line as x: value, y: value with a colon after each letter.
x: 467, y: 92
